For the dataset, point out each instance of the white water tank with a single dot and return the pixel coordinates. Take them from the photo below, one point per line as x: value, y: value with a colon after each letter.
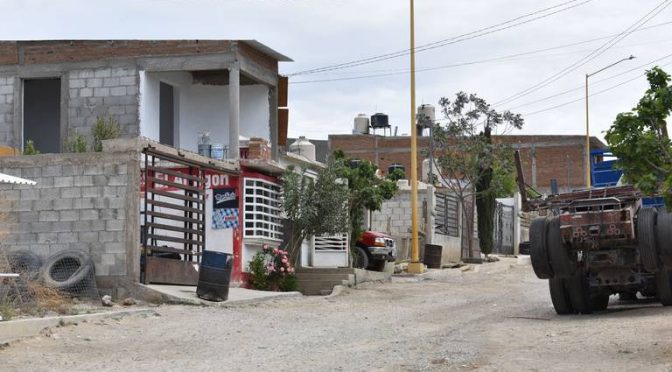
x: 426, y: 115
x: 303, y: 147
x: 361, y: 124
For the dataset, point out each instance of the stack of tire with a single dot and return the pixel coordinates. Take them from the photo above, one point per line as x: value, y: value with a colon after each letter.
x: 70, y: 272
x: 568, y: 281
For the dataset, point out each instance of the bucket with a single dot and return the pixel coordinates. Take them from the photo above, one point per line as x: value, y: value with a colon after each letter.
x: 217, y: 151
x: 214, y: 276
x: 204, y: 149
x: 433, y: 256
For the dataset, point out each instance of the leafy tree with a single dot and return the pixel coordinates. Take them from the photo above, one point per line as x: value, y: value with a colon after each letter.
x: 106, y: 127
x: 367, y: 191
x: 75, y: 143
x: 396, y: 174
x: 640, y: 140
x: 471, y: 164
x: 313, y: 206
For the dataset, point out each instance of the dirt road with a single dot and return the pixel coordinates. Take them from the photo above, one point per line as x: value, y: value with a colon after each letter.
x: 496, y: 318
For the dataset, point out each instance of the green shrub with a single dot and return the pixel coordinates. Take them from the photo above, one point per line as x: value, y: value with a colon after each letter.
x: 75, y: 143
x: 29, y: 148
x: 104, y: 129
x: 270, y: 270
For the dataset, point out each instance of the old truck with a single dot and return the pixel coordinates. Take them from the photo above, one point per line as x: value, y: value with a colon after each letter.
x: 593, y: 243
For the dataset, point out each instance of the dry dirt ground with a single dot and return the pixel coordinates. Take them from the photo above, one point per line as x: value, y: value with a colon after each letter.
x: 498, y: 317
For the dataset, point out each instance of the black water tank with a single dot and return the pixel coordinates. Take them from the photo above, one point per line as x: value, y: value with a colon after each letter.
x: 214, y: 276
x: 394, y: 166
x: 380, y: 121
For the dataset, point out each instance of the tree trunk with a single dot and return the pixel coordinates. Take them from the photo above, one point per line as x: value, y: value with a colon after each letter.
x: 485, y: 203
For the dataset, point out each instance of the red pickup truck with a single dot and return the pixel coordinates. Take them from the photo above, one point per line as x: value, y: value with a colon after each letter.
x: 372, y: 250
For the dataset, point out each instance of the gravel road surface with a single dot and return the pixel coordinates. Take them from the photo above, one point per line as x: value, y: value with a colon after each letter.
x: 497, y: 317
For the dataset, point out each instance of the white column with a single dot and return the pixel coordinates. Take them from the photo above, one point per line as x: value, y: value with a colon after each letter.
x: 234, y: 112
x: 516, y: 222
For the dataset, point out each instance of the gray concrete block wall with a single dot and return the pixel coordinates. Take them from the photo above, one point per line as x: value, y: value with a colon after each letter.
x: 100, y: 92
x: 86, y: 202
x: 6, y: 109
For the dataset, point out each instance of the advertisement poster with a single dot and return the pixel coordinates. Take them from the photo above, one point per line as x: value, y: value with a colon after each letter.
x: 224, y: 208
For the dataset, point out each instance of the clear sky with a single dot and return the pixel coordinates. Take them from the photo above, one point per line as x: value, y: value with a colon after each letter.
x: 317, y: 33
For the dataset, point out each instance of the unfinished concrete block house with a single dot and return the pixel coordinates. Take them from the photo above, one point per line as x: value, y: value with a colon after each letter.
x: 148, y: 194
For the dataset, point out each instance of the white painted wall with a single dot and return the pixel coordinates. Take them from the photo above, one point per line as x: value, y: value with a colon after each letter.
x: 202, y: 108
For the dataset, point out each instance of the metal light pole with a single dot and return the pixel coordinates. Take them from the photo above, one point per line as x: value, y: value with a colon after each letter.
x: 588, y: 165
x: 415, y: 267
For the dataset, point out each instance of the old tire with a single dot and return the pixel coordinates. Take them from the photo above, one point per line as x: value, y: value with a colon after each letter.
x: 579, y: 294
x: 539, y: 249
x: 664, y: 287
x: 664, y: 238
x: 562, y: 262
x: 360, y: 260
x: 646, y: 238
x: 559, y: 296
x: 68, y: 271
x: 25, y: 262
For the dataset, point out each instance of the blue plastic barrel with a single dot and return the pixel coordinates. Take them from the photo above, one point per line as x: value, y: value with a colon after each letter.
x: 214, y: 276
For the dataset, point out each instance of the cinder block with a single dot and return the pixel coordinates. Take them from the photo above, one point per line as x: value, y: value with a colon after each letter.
x: 132, y: 90
x: 63, y: 181
x: 81, y: 226
x: 89, y: 214
x: 29, y: 217
x: 120, y: 180
x: 118, y: 91
x: 110, y: 236
x: 77, y: 83
x: 49, y: 237
x: 118, y: 269
x: 127, y: 80
x: 48, y: 216
x: 101, y: 92
x: 51, y: 171
x: 101, y: 180
x: 103, y: 73
x: 88, y: 236
x: 72, y: 170
x: 71, y: 192
x: 98, y: 225
x: 111, y: 82
x: 82, y: 181
x: 115, y: 247
x: 61, y: 226
x: 114, y: 225
x: 50, y: 193
x: 62, y: 204
x: 67, y: 237
x: 83, y: 203
x: 30, y: 194
x: 69, y: 215
x: 93, y: 169
x: 92, y: 192
x: 85, y: 92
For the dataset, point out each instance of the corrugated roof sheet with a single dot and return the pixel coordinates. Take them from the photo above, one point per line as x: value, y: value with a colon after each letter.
x: 6, y: 178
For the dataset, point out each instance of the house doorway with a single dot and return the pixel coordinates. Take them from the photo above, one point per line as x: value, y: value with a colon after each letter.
x: 42, y: 114
x: 167, y: 114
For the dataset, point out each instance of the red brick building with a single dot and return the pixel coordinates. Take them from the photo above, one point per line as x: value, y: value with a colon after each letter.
x: 545, y: 157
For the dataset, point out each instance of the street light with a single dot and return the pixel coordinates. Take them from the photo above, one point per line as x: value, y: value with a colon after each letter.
x: 588, y: 165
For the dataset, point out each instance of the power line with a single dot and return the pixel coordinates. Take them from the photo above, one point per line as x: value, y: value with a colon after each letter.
x: 452, y: 40
x: 590, y: 95
x: 594, y: 54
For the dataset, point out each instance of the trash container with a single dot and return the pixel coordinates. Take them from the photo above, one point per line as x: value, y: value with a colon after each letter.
x: 433, y: 256
x: 214, y: 276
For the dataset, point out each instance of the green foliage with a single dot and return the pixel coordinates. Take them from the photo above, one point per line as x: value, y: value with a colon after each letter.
x: 104, y: 128
x: 75, y: 143
x: 270, y: 270
x: 7, y: 310
x: 640, y: 140
x: 397, y: 174
x: 29, y: 148
x: 470, y: 163
x: 313, y: 206
x: 367, y: 191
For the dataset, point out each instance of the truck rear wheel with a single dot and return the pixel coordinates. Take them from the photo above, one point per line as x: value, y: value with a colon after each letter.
x: 579, y: 294
x: 539, y: 248
x: 646, y: 237
x: 559, y: 296
x: 664, y: 238
x: 562, y: 262
x: 664, y: 287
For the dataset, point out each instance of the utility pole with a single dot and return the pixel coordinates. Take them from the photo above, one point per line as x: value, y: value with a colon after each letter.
x: 415, y: 267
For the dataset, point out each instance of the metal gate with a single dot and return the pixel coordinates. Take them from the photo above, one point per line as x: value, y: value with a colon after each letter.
x: 503, y: 229
x: 173, y: 216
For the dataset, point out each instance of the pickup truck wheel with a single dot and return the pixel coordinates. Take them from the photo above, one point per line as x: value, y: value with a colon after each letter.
x: 559, y: 296
x: 646, y: 238
x: 664, y: 287
x: 579, y: 294
x: 539, y: 249
x: 562, y: 262
x: 360, y: 260
x: 664, y: 238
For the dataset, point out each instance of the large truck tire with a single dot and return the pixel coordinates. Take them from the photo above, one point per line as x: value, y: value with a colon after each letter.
x: 646, y: 238
x: 25, y: 262
x: 579, y: 293
x: 539, y: 248
x: 664, y: 287
x: 664, y: 238
x: 559, y: 296
x: 69, y: 272
x: 563, y: 263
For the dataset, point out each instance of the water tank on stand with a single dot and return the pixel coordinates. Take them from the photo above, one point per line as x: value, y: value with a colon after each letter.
x: 380, y: 121
x: 361, y: 124
x: 425, y: 117
x: 303, y: 147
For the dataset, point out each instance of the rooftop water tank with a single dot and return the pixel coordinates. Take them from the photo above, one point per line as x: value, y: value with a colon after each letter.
x: 380, y: 121
x: 361, y: 124
x: 303, y: 147
x: 426, y: 115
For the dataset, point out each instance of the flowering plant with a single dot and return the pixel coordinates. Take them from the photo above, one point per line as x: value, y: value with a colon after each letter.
x: 271, y: 270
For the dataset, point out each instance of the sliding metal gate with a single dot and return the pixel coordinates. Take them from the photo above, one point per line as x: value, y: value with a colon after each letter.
x: 173, y: 215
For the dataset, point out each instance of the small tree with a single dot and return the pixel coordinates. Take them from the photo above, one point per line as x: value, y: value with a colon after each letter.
x: 367, y: 191
x: 471, y: 164
x: 106, y: 127
x: 75, y: 143
x: 313, y: 206
x: 640, y: 140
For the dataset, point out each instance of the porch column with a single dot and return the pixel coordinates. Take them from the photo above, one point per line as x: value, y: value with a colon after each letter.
x: 273, y: 120
x: 234, y: 112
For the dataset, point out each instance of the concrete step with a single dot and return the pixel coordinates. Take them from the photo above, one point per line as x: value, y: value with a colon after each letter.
x: 321, y: 276
x: 329, y: 270
x: 319, y: 287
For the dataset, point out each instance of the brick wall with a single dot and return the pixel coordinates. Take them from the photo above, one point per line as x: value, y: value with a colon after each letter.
x: 6, y: 109
x: 104, y: 91
x: 85, y: 202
